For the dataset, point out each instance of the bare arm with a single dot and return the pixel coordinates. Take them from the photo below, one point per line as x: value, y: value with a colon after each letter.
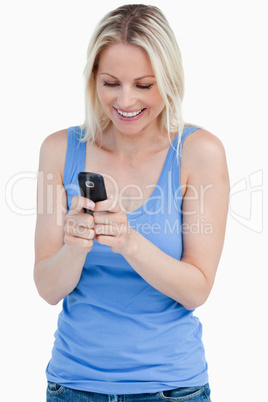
x: 62, y: 240
x: 205, y: 199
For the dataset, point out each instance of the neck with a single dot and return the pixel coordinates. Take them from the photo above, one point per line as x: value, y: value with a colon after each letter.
x: 134, y: 145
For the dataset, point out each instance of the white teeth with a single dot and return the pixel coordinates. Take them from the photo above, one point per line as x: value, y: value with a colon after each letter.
x: 132, y: 114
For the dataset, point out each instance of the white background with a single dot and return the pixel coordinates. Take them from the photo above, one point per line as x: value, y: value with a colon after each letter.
x: 224, y: 49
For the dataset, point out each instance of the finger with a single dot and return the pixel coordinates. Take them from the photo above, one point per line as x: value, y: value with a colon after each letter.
x: 81, y: 231
x: 111, y: 205
x: 107, y: 218
x: 110, y: 230
x: 75, y: 219
x: 79, y: 203
x: 78, y: 242
x: 114, y: 242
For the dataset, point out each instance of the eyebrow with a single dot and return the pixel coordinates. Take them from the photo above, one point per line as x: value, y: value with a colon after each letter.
x: 135, y: 79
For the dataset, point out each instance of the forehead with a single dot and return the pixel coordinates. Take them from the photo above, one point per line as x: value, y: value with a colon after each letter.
x: 119, y: 59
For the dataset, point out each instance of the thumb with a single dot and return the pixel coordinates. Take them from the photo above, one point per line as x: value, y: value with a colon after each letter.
x: 79, y: 203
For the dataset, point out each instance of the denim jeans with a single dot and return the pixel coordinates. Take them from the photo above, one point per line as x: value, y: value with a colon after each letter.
x: 58, y: 393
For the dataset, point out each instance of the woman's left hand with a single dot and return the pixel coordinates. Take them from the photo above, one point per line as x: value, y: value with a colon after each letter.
x: 111, y: 226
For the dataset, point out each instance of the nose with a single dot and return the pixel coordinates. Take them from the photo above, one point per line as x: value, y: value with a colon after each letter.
x: 126, y: 98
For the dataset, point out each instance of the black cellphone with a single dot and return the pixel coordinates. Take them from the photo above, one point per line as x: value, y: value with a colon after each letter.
x: 92, y: 186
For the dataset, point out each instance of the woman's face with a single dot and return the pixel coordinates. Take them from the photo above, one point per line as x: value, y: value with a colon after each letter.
x: 127, y: 89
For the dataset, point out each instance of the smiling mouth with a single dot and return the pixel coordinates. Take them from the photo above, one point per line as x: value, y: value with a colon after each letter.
x: 130, y: 114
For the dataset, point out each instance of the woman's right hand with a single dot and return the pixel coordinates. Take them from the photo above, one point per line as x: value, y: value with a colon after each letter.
x: 79, y: 231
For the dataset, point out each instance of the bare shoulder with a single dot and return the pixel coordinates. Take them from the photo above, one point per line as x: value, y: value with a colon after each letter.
x: 55, y: 142
x: 203, y: 150
x: 203, y: 143
x: 53, y: 152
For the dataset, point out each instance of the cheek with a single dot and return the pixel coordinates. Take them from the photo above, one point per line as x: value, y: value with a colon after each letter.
x: 103, y: 95
x: 100, y: 94
x: 157, y: 102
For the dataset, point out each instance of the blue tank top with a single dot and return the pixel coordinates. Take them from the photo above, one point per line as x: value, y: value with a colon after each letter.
x: 116, y: 333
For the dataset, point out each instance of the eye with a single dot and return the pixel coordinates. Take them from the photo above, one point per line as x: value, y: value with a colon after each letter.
x: 115, y: 84
x: 110, y: 84
x: 144, y: 86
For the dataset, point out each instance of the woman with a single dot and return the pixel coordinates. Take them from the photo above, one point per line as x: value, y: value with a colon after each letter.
x: 131, y: 274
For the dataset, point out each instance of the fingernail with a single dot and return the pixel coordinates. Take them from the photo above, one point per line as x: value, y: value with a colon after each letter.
x: 91, y: 204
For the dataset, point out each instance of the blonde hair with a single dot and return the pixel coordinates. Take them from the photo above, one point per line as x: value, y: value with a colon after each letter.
x: 146, y: 27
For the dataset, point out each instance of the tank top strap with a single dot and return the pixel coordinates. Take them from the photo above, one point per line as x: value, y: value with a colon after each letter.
x: 187, y: 131
x: 176, y: 160
x: 74, y: 162
x: 75, y: 155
